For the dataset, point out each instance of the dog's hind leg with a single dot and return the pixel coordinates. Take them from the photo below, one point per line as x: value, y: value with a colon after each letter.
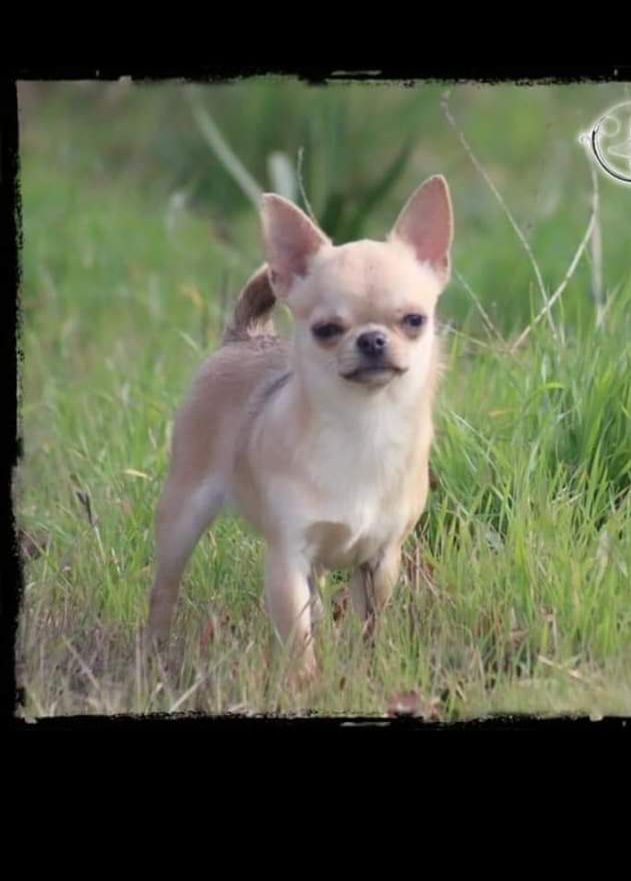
x: 372, y: 584
x: 315, y: 581
x: 184, y: 512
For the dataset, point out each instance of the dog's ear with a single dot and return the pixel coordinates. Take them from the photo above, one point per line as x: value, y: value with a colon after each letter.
x: 426, y: 225
x: 290, y: 239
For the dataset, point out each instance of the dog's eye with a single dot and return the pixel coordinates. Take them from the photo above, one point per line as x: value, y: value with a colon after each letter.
x: 414, y: 320
x: 326, y: 331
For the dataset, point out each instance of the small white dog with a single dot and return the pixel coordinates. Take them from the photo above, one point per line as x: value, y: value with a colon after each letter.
x: 321, y: 443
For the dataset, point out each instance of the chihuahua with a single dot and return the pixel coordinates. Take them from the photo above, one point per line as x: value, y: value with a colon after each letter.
x: 321, y: 442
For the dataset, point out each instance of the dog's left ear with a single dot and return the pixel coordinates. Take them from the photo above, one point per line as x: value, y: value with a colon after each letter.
x: 426, y: 225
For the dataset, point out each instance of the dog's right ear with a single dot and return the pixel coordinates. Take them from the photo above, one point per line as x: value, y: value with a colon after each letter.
x: 291, y: 241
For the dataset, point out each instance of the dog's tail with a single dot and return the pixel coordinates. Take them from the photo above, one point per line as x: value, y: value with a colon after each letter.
x: 252, y: 311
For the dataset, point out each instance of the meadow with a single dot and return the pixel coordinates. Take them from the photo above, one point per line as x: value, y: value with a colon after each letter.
x: 139, y: 228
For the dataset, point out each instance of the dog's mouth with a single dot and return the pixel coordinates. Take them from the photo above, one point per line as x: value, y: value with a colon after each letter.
x: 374, y: 374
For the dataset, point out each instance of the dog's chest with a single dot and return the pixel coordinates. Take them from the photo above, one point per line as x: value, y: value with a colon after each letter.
x: 362, y: 478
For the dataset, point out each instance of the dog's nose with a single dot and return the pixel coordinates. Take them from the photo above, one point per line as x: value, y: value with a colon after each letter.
x: 372, y: 343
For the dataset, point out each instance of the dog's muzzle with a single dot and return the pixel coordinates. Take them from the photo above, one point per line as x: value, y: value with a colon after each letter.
x: 374, y: 367
x: 378, y: 373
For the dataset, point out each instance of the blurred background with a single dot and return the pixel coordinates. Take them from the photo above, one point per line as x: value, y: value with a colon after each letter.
x: 98, y: 155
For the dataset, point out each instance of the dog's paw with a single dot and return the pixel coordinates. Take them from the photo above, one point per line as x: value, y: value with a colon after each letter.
x: 304, y: 675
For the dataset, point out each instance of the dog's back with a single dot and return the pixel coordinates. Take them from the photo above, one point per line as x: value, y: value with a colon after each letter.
x: 251, y: 357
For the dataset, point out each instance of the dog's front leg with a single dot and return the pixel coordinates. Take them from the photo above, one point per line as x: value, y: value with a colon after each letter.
x: 288, y: 598
x: 372, y: 584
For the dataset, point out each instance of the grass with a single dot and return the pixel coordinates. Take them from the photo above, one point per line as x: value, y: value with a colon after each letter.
x: 515, y: 595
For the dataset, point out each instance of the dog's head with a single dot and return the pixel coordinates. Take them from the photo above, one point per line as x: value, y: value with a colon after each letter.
x: 363, y: 312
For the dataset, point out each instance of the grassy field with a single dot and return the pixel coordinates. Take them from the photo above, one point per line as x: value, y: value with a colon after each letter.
x: 517, y: 588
